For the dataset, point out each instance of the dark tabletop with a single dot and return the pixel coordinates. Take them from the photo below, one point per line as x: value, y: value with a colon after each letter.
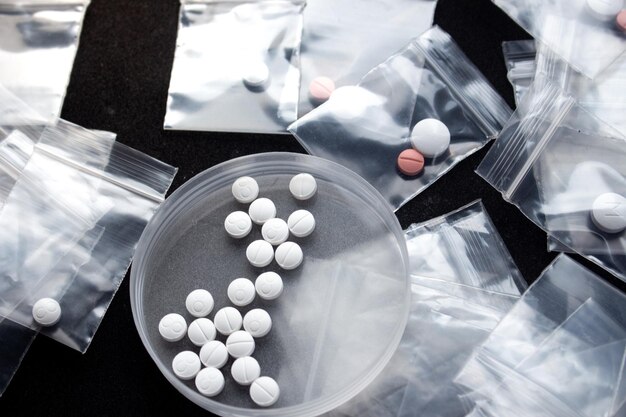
x: 119, y: 83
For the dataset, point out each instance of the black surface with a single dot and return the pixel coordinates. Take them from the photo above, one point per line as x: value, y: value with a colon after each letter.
x: 119, y: 83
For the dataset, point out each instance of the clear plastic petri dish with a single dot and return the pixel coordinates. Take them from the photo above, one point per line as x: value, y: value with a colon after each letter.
x: 342, y: 312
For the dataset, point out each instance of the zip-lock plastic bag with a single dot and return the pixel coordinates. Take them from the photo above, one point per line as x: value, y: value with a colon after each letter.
x: 365, y: 127
x: 343, y: 39
x: 236, y: 66
x: 519, y: 57
x: 565, y: 339
x: 448, y: 317
x: 117, y: 188
x: 565, y: 170
x: 38, y: 42
x: 583, y: 32
x: 463, y: 247
x: 603, y: 97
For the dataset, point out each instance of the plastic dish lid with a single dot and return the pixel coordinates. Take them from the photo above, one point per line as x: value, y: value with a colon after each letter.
x: 342, y: 312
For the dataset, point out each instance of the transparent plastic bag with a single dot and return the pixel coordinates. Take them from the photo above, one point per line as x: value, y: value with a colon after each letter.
x: 220, y: 44
x: 365, y: 127
x: 116, y: 188
x: 519, y: 57
x: 38, y: 41
x: 463, y: 247
x: 448, y: 319
x: 565, y: 337
x: 553, y: 163
x: 588, y: 41
x: 335, y: 32
x: 603, y: 96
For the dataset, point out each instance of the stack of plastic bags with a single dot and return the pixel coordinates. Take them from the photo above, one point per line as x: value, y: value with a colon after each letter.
x: 74, y: 204
x: 463, y: 281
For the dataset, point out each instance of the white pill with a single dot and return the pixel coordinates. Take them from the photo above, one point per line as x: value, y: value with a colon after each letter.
x: 173, y: 327
x: 430, y: 137
x: 257, y: 322
x: 241, y: 292
x: 245, y: 189
x: 289, y: 255
x: 199, y: 303
x: 608, y: 212
x: 269, y: 285
x: 245, y: 370
x: 264, y: 391
x: 214, y: 354
x: 210, y: 382
x: 303, y: 186
x: 261, y: 210
x: 201, y: 331
x: 238, y: 224
x: 301, y: 223
x: 186, y: 365
x: 605, y: 10
x: 275, y: 231
x: 260, y: 253
x: 46, y: 312
x: 240, y: 344
x: 256, y: 74
x: 227, y: 320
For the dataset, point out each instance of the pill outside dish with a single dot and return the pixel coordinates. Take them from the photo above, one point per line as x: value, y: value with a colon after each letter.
x: 46, y: 312
x: 430, y: 137
x: 608, y: 212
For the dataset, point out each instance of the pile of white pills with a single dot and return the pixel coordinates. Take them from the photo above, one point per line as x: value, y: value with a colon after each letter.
x: 241, y: 333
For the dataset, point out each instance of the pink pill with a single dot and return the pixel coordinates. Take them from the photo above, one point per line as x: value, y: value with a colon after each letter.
x: 410, y: 162
x: 321, y: 88
x: 621, y: 20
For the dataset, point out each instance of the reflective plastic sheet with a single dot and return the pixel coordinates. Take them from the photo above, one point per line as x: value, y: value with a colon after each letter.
x: 222, y: 43
x: 38, y: 42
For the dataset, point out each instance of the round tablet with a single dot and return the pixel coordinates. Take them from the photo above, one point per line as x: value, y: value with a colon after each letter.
x: 241, y: 292
x: 240, y: 344
x: 620, y: 20
x: 214, y: 354
x: 275, y: 231
x: 260, y: 253
x: 289, y: 255
x: 608, y: 212
x: 264, y: 391
x: 604, y: 10
x: 301, y: 223
x: 303, y: 186
x: 199, y: 303
x: 430, y: 137
x: 256, y: 74
x: 210, y: 382
x: 173, y: 327
x: 320, y: 89
x: 257, y: 322
x: 261, y: 210
x: 269, y: 285
x: 245, y: 370
x: 201, y: 331
x: 245, y: 189
x: 410, y: 162
x: 238, y: 224
x: 46, y: 312
x: 227, y: 320
x: 186, y: 365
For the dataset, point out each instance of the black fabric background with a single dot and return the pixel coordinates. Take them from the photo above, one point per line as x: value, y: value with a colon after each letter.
x: 120, y: 83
